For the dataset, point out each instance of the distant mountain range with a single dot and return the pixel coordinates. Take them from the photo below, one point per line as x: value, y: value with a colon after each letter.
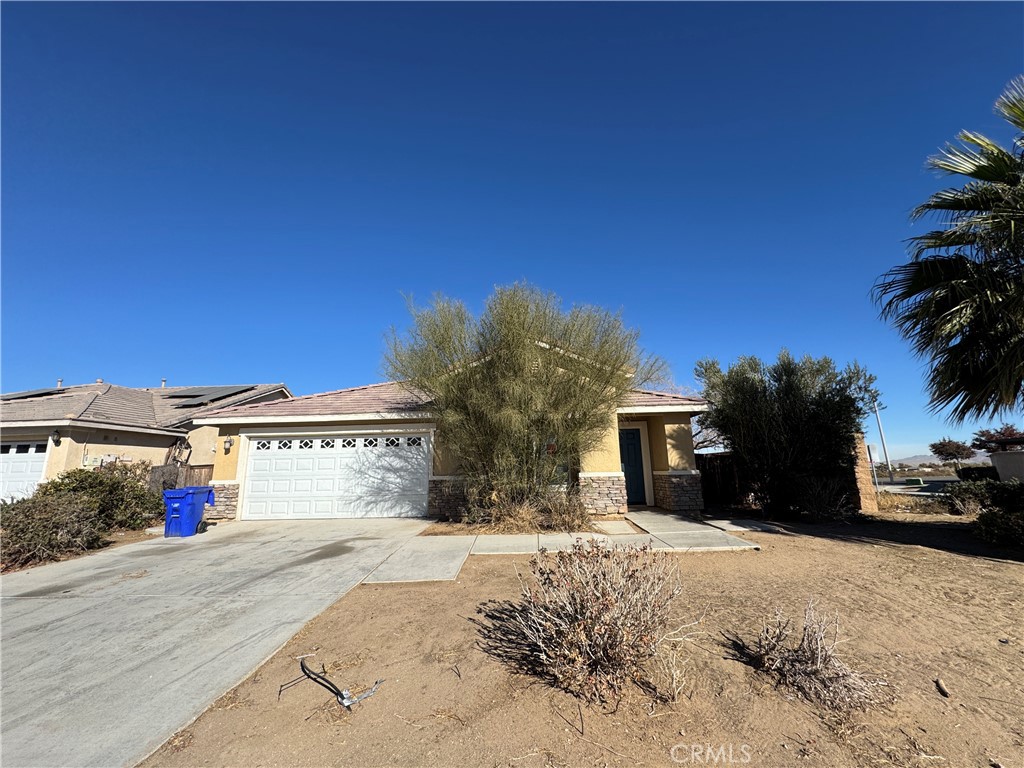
x: 915, y: 461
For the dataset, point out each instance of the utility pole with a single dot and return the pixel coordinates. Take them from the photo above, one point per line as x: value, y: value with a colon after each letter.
x: 885, y: 450
x: 874, y: 474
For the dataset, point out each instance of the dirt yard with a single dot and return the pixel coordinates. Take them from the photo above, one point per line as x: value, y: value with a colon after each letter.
x: 919, y: 600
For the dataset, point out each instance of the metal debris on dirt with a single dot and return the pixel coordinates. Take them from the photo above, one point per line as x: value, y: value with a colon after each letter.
x: 344, y: 697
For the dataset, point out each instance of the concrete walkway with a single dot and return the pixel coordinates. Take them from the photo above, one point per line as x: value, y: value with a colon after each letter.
x: 105, y: 657
x: 440, y: 558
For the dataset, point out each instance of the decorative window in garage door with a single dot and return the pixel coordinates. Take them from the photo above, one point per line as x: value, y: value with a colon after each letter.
x: 414, y: 442
x: 305, y: 445
x: 348, y: 442
x: 327, y: 444
x: 392, y: 442
x: 370, y: 442
x: 262, y: 445
x: 284, y: 445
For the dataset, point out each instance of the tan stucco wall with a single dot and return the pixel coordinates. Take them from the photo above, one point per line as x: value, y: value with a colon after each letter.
x: 204, y: 443
x: 605, y: 457
x: 78, y: 446
x: 225, y: 464
x: 671, y: 441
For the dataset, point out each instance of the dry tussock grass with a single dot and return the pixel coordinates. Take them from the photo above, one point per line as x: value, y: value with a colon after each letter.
x: 811, y: 668
x: 904, y: 503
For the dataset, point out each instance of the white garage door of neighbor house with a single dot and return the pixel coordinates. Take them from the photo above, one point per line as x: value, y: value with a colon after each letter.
x: 21, y: 468
x: 314, y: 476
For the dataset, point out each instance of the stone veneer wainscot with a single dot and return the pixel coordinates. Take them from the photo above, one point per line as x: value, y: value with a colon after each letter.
x: 603, y: 494
x: 225, y: 497
x: 679, y: 492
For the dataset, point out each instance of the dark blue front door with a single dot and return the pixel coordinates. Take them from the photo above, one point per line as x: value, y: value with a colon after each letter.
x: 632, y: 465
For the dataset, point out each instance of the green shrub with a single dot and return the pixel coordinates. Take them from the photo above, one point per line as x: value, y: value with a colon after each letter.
x: 977, y: 473
x: 824, y: 499
x: 120, y: 491
x: 968, y: 497
x: 1001, y: 521
x: 38, y: 529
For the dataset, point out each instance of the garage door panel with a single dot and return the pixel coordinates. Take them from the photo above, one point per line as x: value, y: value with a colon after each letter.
x: 372, y: 475
x: 21, y: 467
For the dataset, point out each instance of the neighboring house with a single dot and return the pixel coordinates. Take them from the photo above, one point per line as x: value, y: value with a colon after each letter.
x: 45, y: 432
x: 370, y: 452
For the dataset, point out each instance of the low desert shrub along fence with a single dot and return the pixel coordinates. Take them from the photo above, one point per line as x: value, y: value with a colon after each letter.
x: 998, y: 505
x: 810, y: 667
x: 75, y: 512
x: 589, y: 621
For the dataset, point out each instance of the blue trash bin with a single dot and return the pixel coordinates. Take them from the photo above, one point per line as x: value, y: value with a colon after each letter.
x: 184, y: 510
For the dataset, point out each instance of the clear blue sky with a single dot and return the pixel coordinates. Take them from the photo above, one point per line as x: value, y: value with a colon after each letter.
x: 230, y: 193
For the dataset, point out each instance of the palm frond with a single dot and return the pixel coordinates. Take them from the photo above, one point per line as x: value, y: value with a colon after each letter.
x: 1011, y: 103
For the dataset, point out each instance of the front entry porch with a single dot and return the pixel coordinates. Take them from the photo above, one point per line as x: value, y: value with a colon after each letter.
x: 647, y: 461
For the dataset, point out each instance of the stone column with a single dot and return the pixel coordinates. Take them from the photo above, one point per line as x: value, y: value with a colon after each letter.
x: 225, y: 497
x: 446, y: 498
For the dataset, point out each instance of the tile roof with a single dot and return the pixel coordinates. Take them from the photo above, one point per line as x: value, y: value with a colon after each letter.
x: 387, y: 397
x: 644, y: 398
x: 169, y: 413
x: 393, y: 398
x: 103, y: 403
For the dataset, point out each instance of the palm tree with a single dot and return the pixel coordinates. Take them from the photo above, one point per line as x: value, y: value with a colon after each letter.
x: 959, y: 301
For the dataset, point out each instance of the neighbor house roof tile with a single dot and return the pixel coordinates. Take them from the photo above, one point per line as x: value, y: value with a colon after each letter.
x: 104, y: 403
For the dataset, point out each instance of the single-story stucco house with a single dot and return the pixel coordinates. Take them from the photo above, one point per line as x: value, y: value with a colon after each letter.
x: 46, y: 432
x: 371, y: 452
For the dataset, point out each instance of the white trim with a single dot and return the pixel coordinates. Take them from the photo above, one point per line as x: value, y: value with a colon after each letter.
x: 224, y: 482
x: 602, y: 474
x: 694, y: 408
x: 334, y: 429
x: 319, y: 419
x: 645, y: 454
x: 678, y: 472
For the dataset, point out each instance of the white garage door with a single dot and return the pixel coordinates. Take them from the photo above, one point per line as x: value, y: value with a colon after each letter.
x: 21, y: 468
x: 366, y: 475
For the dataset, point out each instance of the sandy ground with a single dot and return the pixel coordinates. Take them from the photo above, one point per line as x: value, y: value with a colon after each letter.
x: 918, y: 596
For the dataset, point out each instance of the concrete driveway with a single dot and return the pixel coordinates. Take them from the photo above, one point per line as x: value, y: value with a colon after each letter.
x: 105, y: 657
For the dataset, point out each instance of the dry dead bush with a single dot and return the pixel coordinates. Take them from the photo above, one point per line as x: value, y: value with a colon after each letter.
x: 666, y: 675
x: 589, y: 619
x: 513, y: 517
x: 564, y: 511
x: 902, y: 502
x: 555, y: 509
x: 811, y: 667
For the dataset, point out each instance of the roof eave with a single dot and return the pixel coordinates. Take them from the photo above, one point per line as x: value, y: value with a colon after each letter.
x: 682, y: 408
x: 88, y: 424
x: 318, y: 418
